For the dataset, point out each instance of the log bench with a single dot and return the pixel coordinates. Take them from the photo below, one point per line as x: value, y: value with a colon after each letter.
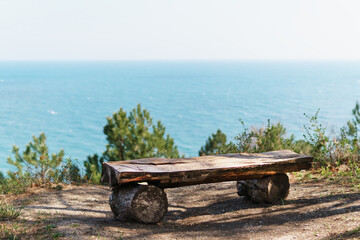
x: 138, y: 185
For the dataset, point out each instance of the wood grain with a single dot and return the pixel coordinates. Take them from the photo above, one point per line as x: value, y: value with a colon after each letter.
x: 145, y: 204
x: 166, y: 173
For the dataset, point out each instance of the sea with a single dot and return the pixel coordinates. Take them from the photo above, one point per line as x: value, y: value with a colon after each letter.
x: 69, y: 101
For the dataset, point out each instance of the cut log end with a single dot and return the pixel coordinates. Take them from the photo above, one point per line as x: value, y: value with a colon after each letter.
x: 141, y: 203
x: 270, y: 189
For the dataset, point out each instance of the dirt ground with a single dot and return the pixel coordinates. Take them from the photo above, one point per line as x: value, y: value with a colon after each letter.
x: 313, y: 210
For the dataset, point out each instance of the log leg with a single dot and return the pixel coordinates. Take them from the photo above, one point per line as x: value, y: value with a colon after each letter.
x: 141, y: 203
x: 268, y: 189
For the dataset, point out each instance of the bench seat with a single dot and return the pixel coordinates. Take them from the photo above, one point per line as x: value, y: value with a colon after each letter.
x: 167, y: 173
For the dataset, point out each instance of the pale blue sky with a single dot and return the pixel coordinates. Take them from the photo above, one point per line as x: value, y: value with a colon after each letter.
x: 179, y: 30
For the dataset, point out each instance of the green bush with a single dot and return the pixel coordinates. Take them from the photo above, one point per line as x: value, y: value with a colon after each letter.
x: 269, y: 138
x: 35, y: 163
x: 216, y: 144
x: 332, y: 152
x: 333, y: 156
x: 355, y: 122
x: 93, y: 166
x: 68, y: 172
x: 35, y: 166
x: 14, y: 184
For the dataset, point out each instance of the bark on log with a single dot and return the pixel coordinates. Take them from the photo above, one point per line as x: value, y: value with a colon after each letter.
x: 141, y: 203
x: 268, y: 189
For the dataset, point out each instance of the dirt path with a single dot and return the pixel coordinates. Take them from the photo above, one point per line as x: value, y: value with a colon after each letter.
x: 313, y: 210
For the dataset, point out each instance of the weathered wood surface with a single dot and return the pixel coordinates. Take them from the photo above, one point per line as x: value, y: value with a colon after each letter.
x: 165, y: 173
x: 145, y: 204
x: 270, y: 189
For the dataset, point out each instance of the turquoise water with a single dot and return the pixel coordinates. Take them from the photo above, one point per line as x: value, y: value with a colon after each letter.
x: 69, y: 101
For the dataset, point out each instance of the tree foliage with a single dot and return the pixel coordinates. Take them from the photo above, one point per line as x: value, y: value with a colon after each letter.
x: 333, y: 156
x: 35, y: 162
x: 134, y: 135
x: 355, y: 122
x: 93, y: 166
x: 216, y: 144
x: 270, y: 138
x: 331, y: 152
x: 213, y: 144
x: 131, y: 135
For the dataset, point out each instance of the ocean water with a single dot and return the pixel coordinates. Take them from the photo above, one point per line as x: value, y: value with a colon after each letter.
x: 70, y: 101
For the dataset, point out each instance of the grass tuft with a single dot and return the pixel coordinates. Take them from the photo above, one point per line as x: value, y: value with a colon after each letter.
x: 8, y: 211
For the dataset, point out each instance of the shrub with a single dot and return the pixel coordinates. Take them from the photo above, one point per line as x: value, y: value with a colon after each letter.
x: 269, y: 138
x: 216, y: 144
x: 332, y: 152
x: 339, y: 156
x: 93, y: 166
x: 14, y: 184
x: 35, y: 163
x: 355, y: 122
x: 42, y: 170
x: 68, y: 172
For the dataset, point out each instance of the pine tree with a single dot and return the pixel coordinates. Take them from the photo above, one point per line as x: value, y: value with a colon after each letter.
x: 216, y: 144
x: 35, y: 162
x: 135, y: 136
x: 131, y: 136
x: 355, y: 122
x: 93, y: 168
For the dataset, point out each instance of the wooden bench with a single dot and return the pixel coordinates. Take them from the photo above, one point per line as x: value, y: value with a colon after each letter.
x: 138, y: 185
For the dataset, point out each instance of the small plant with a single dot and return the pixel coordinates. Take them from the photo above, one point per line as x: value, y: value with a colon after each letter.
x: 246, y: 139
x: 14, y: 185
x: 36, y: 167
x: 316, y: 137
x: 68, y: 173
x: 35, y: 164
x: 330, y: 154
x: 353, y: 124
x: 57, y: 235
x: 49, y: 227
x: 11, y: 231
x: 356, y: 230
x: 58, y: 187
x: 337, y: 158
x: 269, y: 138
x: 8, y: 211
x: 93, y: 166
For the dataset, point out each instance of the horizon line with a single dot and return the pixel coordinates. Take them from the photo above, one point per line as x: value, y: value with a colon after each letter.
x: 179, y: 60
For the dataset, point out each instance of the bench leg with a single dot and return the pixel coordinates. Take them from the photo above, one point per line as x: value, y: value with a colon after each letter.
x: 268, y: 189
x: 141, y: 203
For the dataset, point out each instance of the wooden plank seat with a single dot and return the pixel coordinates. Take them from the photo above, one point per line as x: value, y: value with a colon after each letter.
x: 260, y: 176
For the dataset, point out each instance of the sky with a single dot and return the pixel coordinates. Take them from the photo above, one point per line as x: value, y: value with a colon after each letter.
x: 179, y: 30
